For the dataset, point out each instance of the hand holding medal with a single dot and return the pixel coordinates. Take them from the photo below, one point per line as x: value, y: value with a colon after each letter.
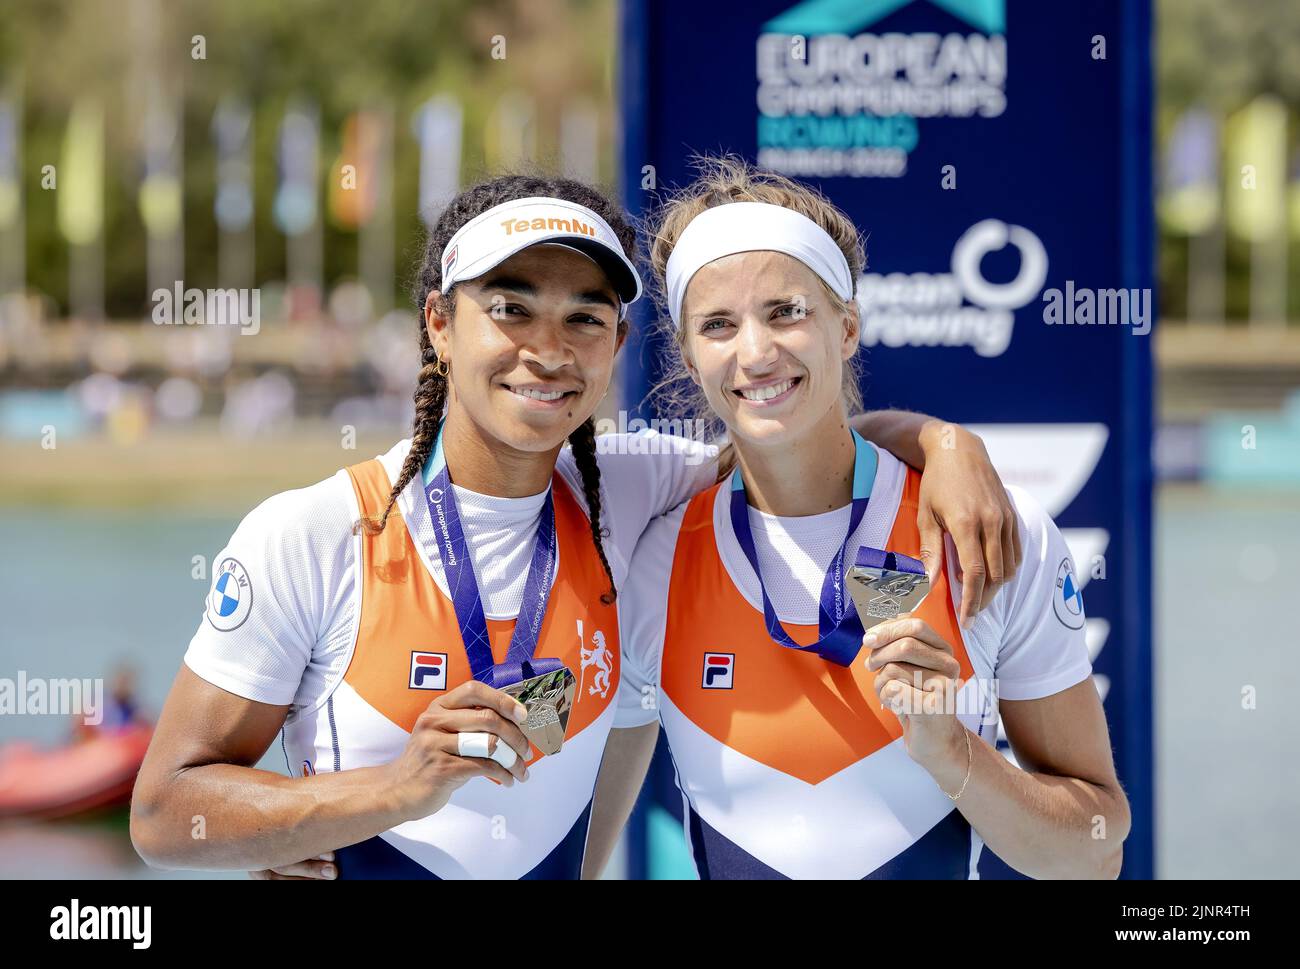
x: 548, y: 699
x: 918, y: 679
x: 472, y: 731
x: 918, y: 670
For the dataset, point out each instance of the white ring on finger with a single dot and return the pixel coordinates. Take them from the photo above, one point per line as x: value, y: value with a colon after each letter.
x: 478, y: 744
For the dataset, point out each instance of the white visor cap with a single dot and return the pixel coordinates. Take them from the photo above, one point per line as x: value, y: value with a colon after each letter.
x: 489, y: 239
x: 724, y: 230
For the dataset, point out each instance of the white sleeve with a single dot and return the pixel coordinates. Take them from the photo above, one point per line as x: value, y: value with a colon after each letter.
x: 1043, y: 649
x: 642, y: 476
x: 274, y: 591
x: 642, y: 620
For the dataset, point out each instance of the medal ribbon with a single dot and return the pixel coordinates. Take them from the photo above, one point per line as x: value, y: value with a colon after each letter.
x: 839, y: 630
x: 463, y: 586
x: 878, y: 558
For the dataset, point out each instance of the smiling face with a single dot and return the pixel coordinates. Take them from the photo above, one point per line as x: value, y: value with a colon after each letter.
x: 767, y: 344
x: 531, y: 346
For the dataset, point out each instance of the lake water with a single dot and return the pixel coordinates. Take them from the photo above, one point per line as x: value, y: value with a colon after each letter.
x: 81, y: 591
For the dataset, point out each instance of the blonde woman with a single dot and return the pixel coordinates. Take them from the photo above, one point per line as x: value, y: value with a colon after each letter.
x: 802, y: 747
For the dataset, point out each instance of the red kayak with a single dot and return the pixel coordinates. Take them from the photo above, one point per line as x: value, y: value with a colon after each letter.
x: 95, y: 773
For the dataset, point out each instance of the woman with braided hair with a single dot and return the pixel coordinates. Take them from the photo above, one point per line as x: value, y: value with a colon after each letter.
x: 381, y: 620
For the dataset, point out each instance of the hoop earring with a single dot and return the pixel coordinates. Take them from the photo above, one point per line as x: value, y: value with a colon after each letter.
x: 442, y: 368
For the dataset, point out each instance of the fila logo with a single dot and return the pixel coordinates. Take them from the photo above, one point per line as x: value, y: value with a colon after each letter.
x: 719, y: 670
x: 428, y: 671
x: 451, y: 258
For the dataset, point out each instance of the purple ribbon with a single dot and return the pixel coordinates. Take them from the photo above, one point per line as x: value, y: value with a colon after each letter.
x: 463, y: 585
x: 877, y: 558
x: 839, y: 630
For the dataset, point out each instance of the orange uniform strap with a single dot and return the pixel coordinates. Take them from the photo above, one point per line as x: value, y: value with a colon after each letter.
x: 790, y: 709
x: 406, y: 620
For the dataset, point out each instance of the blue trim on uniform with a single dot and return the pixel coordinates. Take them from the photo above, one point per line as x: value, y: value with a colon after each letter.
x: 376, y: 858
x: 865, y: 464
x: 434, y: 461
x: 943, y: 852
x: 334, y: 733
x: 284, y: 747
x: 718, y: 858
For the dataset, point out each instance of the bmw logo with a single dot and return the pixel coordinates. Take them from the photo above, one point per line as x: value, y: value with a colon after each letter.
x: 231, y: 598
x: 1067, y: 599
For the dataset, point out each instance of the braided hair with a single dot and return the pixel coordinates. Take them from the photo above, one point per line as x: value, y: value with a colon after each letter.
x: 431, y: 389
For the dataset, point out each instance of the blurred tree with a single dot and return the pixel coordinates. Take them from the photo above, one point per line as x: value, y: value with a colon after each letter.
x: 1220, y: 56
x: 1223, y: 54
x: 339, y: 55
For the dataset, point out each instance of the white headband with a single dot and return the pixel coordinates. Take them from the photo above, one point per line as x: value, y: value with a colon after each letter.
x: 489, y: 239
x: 749, y: 227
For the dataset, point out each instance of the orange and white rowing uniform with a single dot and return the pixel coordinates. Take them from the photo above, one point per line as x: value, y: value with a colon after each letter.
x: 357, y: 634
x: 787, y: 764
